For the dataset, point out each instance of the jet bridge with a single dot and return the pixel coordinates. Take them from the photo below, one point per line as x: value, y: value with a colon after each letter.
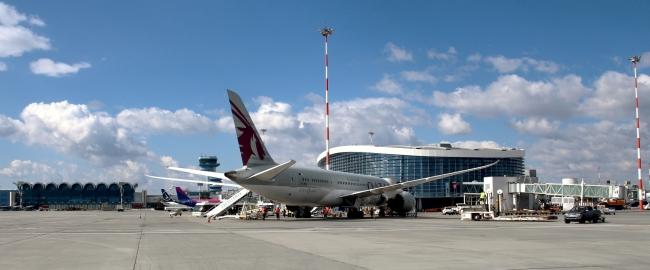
x: 519, y: 193
x: 565, y: 190
x: 227, y: 203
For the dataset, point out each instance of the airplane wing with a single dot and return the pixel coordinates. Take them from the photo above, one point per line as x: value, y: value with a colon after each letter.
x: 193, y: 181
x: 199, y: 172
x: 411, y: 183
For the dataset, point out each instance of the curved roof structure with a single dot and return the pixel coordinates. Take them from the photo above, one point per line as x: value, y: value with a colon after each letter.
x: 76, y: 185
x: 441, y: 150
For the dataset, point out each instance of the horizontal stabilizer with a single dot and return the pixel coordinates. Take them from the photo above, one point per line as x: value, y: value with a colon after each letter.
x: 194, y: 181
x: 270, y: 173
x: 199, y: 172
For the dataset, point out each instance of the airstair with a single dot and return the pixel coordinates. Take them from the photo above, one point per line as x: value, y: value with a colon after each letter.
x: 227, y: 203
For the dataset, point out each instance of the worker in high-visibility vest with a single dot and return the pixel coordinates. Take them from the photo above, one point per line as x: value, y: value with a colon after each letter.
x: 482, y: 199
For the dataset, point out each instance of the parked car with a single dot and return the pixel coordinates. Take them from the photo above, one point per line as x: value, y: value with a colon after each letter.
x: 582, y: 214
x: 449, y: 210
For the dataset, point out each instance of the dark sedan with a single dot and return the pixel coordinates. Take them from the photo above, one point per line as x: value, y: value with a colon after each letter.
x: 583, y: 214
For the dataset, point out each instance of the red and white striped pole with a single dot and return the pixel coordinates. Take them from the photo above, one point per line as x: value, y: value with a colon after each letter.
x: 635, y: 60
x: 326, y: 32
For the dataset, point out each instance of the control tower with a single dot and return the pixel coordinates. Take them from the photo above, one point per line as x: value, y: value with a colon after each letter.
x: 210, y: 163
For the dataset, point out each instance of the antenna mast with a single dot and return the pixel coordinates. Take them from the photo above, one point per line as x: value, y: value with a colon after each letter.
x: 326, y: 32
x: 635, y: 60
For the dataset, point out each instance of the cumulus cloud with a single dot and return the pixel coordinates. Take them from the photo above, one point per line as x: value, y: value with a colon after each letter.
x: 155, y: 120
x: 449, y: 55
x: 585, y: 149
x: 8, y: 126
x: 36, y: 21
x: 645, y: 60
x: 74, y: 129
x: 452, y: 124
x: 613, y: 97
x: 508, y: 65
x: 391, y: 119
x: 388, y: 85
x: 9, y: 15
x: 47, y: 67
x: 397, y: 54
x: 418, y: 76
x: 475, y: 57
x: 16, y: 39
x: 536, y: 126
x: 167, y: 161
x: 514, y: 95
x: 27, y: 170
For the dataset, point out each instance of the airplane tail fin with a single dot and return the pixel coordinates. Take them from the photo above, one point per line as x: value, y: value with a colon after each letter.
x: 252, y: 149
x: 165, y: 196
x: 182, y: 196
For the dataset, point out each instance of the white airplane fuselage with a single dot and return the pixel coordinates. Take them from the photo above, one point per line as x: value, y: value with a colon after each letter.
x: 310, y: 186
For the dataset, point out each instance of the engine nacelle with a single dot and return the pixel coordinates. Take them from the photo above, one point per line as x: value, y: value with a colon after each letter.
x: 402, y: 202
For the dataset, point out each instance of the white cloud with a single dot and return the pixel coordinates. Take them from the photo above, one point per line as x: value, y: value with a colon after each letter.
x: 584, y: 149
x: 613, y: 97
x: 388, y: 85
x: 391, y: 119
x: 449, y: 55
x: 74, y: 129
x: 27, y: 170
x: 645, y: 60
x: 155, y: 120
x: 8, y: 126
x: 16, y: 39
x: 503, y: 64
x: 418, y: 76
x: 47, y: 67
x: 397, y: 54
x: 536, y: 126
x: 167, y: 161
x: 9, y: 15
x: 476, y: 144
x: 127, y: 170
x: 3, y: 66
x: 35, y: 20
x: 452, y: 124
x: 476, y: 57
x: 512, y: 95
x: 508, y: 65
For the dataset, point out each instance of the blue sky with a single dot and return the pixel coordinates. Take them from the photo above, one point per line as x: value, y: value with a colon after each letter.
x: 419, y: 72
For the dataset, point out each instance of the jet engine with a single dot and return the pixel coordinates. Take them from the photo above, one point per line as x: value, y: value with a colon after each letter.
x: 402, y: 203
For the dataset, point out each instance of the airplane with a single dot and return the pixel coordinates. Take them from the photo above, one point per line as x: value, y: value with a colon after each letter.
x: 171, y: 204
x: 184, y: 199
x: 302, y: 188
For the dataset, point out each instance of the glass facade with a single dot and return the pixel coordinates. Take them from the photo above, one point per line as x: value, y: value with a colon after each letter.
x: 404, y: 167
x: 75, y: 194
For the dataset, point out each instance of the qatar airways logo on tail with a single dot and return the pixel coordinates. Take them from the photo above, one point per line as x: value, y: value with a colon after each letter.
x: 249, y: 142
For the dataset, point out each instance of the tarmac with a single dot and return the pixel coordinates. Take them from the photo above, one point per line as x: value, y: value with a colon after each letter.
x: 146, y: 239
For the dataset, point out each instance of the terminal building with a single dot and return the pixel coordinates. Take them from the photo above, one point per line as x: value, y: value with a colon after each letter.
x: 77, y: 195
x: 403, y: 163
